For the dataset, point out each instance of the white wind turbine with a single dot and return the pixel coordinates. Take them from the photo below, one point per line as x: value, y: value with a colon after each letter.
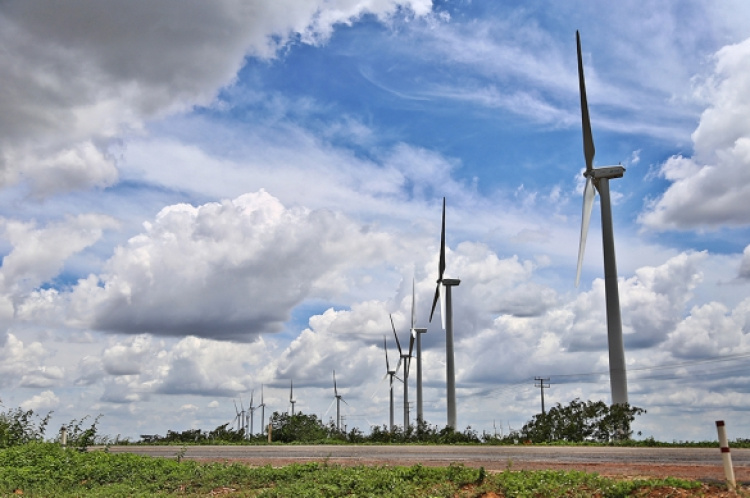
x: 598, y: 179
x: 447, y: 322
x: 262, y: 407
x: 391, y: 374
x: 339, y: 399
x: 291, y: 395
x: 417, y: 334
x: 238, y: 418
x: 406, y: 360
x: 251, y: 413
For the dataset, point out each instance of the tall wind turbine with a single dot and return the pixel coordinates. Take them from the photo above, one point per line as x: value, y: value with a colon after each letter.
x: 391, y: 374
x: 447, y: 322
x: 339, y: 399
x: 291, y: 395
x: 406, y: 360
x: 262, y: 407
x: 237, y: 417
x: 417, y: 334
x: 598, y: 179
x: 251, y: 413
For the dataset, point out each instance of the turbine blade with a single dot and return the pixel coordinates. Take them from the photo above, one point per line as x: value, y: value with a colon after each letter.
x: 387, y: 364
x: 435, y: 299
x: 342, y: 399
x: 398, y: 344
x: 588, y: 140
x: 588, y: 204
x: 329, y: 408
x: 291, y: 390
x: 441, y: 265
x: 399, y: 364
x: 335, y: 390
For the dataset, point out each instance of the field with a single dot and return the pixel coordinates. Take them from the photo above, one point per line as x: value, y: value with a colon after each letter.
x: 45, y: 469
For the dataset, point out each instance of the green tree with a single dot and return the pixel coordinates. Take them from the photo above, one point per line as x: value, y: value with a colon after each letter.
x: 582, y: 421
x: 298, y: 427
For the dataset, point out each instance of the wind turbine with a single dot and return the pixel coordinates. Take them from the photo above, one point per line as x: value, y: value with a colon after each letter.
x: 598, y: 179
x: 251, y: 412
x: 291, y: 395
x: 237, y: 416
x: 447, y: 322
x: 417, y: 334
x: 339, y: 399
x: 262, y: 407
x: 242, y: 420
x: 389, y: 373
x: 406, y: 360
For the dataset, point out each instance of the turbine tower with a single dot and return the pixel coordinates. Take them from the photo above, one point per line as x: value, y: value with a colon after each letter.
x: 262, y: 407
x: 598, y: 179
x: 291, y: 395
x: 389, y: 373
x: 251, y: 413
x: 417, y: 334
x: 339, y: 399
x: 447, y: 322
x: 406, y: 360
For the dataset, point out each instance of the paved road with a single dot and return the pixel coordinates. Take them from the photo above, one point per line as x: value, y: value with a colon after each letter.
x: 491, y: 456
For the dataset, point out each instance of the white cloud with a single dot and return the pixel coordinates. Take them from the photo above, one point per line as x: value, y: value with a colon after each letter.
x: 39, y: 254
x: 78, y: 75
x: 710, y: 188
x: 44, y: 401
x: 229, y: 270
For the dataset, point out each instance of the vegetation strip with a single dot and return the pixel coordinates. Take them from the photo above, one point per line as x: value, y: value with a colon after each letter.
x: 46, y: 469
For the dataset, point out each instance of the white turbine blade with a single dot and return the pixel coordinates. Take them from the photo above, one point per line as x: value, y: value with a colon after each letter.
x: 399, y: 363
x: 385, y: 348
x: 398, y: 344
x: 329, y: 408
x: 335, y: 391
x: 588, y: 140
x: 435, y: 299
x: 588, y: 204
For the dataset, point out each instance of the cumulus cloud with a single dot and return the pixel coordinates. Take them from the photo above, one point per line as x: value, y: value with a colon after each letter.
x: 228, y: 270
x: 39, y: 253
x: 78, y: 75
x: 44, y: 401
x: 711, y: 187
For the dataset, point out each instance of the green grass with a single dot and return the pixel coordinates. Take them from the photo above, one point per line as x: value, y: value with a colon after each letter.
x: 44, y: 469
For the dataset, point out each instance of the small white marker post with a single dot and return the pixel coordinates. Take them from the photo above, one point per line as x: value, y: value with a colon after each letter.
x: 725, y: 455
x: 63, y: 436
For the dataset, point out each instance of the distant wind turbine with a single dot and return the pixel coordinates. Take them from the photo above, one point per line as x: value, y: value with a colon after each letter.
x: 406, y: 360
x: 291, y: 395
x: 598, y: 179
x: 339, y: 399
x: 417, y: 334
x: 251, y: 413
x: 447, y: 322
x: 390, y: 374
x: 262, y: 407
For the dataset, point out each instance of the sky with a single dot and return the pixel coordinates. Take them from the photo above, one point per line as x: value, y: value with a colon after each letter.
x: 203, y: 201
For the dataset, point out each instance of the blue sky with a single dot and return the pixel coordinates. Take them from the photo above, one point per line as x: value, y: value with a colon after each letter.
x: 198, y: 202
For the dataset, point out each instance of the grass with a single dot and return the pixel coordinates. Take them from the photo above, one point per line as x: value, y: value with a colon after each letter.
x: 45, y: 469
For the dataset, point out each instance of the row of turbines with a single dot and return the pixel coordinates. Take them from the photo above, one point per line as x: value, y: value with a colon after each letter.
x: 597, y: 180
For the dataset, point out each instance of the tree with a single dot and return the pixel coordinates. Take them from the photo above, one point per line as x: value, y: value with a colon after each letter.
x: 582, y: 421
x: 298, y: 427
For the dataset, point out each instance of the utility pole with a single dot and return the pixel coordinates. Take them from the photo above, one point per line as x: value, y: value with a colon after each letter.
x: 542, y: 386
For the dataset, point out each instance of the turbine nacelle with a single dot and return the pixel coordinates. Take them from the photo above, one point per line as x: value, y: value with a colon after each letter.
x: 605, y: 172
